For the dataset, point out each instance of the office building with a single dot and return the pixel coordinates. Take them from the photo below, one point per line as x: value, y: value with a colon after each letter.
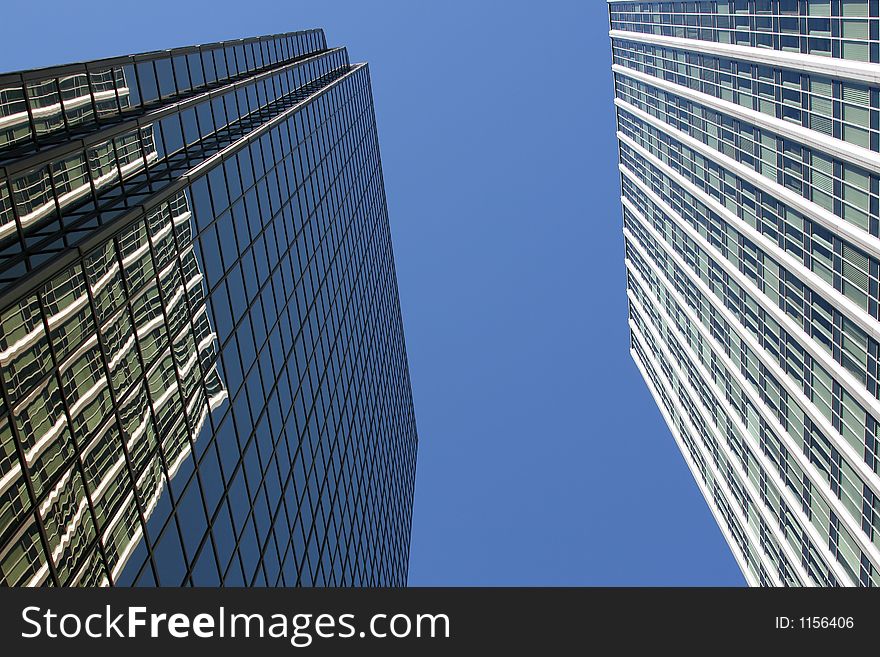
x: 204, y: 378
x: 749, y: 134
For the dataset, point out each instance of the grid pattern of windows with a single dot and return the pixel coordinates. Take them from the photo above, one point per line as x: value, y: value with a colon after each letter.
x: 50, y: 106
x: 757, y: 410
x: 753, y: 315
x: 844, y: 29
x: 848, y: 191
x: 212, y: 388
x: 801, y: 300
x: 789, y: 410
x: 108, y: 370
x: 49, y: 206
x: 777, y: 232
x: 843, y: 109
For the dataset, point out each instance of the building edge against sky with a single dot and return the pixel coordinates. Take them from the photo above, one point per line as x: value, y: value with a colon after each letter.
x: 749, y: 136
x: 204, y: 376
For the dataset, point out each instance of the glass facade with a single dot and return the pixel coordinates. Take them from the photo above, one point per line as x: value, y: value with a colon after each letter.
x: 748, y: 134
x: 204, y: 378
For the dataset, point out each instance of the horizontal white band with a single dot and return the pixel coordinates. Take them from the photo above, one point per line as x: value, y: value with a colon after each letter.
x: 847, y: 69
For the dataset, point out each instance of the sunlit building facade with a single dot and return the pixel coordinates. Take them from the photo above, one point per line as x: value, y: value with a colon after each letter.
x: 749, y: 134
x: 204, y: 379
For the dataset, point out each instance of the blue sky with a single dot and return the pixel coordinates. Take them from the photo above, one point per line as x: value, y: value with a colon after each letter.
x: 542, y: 458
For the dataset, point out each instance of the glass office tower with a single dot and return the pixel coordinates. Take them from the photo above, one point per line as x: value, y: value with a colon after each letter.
x: 203, y: 377
x: 749, y: 135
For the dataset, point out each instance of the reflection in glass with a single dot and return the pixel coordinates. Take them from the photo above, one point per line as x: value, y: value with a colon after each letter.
x: 223, y: 269
x: 56, y: 102
x: 126, y: 325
